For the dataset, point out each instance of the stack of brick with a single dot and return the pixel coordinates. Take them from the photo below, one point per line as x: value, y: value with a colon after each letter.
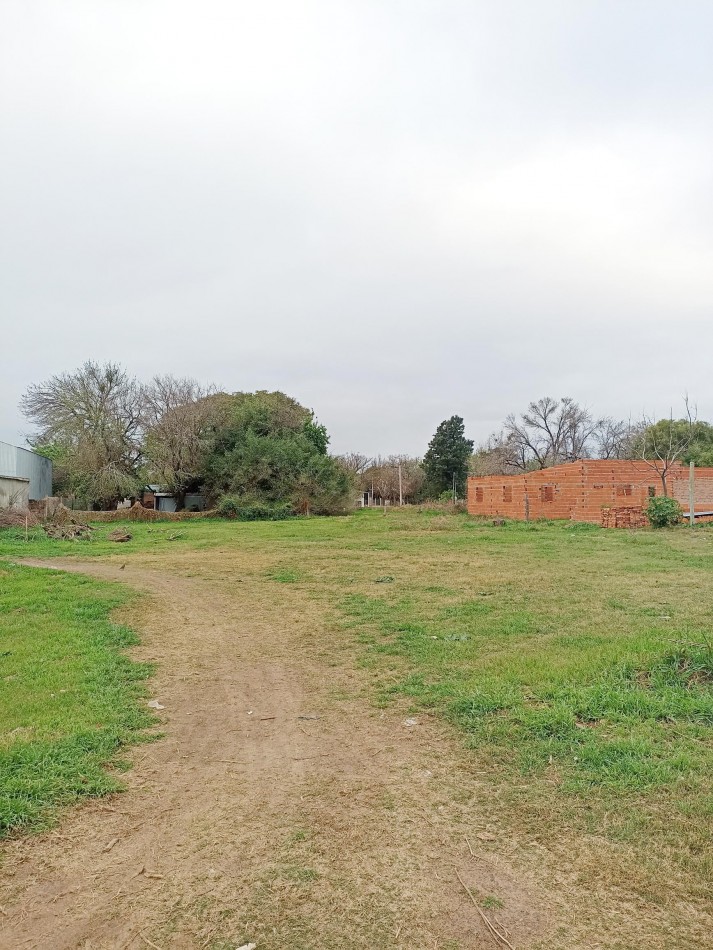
x: 634, y: 517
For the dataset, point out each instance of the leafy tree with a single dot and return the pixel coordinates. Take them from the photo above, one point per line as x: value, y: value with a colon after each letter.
x: 700, y: 452
x: 91, y: 421
x: 268, y: 448
x: 317, y: 435
x: 446, y: 460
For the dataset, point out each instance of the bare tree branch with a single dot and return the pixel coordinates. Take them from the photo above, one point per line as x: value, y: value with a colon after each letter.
x: 179, y: 417
x: 660, y: 445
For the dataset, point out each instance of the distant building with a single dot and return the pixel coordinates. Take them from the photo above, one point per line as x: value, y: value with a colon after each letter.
x: 590, y: 490
x: 24, y: 476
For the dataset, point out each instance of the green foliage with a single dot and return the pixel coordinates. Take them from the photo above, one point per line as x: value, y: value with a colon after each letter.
x: 663, y: 512
x: 231, y: 506
x: 52, y: 450
x: 678, y: 439
x: 700, y: 451
x: 84, y: 473
x: 317, y: 435
x: 108, y: 435
x: 269, y: 449
x: 63, y: 481
x: 448, y: 456
x: 69, y: 697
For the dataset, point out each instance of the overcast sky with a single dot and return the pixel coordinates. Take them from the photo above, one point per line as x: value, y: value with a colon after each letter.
x: 393, y: 210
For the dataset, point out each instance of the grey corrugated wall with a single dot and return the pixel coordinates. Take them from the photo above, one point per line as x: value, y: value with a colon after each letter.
x: 17, y: 462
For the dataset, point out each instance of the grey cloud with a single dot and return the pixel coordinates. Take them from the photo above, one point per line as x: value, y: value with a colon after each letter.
x: 393, y: 211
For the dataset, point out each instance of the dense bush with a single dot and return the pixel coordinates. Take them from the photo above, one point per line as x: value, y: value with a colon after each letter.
x: 270, y: 449
x: 231, y: 506
x: 663, y: 512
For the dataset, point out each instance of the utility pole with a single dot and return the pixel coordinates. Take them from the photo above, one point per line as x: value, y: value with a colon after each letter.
x: 691, y: 493
x: 454, y: 488
x: 401, y: 488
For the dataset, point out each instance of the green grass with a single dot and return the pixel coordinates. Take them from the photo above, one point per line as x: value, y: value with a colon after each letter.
x: 145, y: 537
x: 69, y: 696
x: 575, y: 662
x: 492, y: 903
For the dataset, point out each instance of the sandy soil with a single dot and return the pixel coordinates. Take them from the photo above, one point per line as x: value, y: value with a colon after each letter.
x: 280, y: 807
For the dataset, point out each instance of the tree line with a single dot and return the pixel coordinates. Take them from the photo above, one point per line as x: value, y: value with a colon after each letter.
x: 110, y: 435
x: 555, y: 431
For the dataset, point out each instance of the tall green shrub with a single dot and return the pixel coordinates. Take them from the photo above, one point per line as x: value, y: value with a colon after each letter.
x: 663, y: 512
x: 446, y: 461
x: 269, y: 449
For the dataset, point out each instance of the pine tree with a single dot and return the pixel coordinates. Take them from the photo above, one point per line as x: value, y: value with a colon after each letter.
x: 447, y: 458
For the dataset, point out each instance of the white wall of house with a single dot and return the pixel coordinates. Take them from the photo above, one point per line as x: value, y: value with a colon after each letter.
x: 14, y: 492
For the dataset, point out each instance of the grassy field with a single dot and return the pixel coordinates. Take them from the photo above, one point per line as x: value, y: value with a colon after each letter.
x: 575, y: 662
x: 69, y: 696
x: 578, y: 663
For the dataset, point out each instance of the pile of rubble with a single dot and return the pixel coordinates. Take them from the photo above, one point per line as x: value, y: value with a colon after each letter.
x: 18, y: 518
x: 68, y: 531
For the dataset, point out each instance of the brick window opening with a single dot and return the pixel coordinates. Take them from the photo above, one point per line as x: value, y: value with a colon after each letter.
x: 547, y: 493
x: 507, y: 492
x: 597, y: 487
x: 623, y: 490
x: 652, y: 491
x: 478, y: 494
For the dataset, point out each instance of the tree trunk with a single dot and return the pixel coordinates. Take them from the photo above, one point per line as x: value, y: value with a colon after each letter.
x: 180, y: 497
x: 663, y: 483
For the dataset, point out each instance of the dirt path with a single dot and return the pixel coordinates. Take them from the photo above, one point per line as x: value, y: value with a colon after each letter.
x: 279, y: 807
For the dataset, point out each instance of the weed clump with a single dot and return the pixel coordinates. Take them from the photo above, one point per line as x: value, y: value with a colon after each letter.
x: 238, y: 509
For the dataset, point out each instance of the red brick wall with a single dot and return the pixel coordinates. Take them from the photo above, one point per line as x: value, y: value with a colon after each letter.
x: 578, y: 491
x: 550, y: 493
x: 703, y: 488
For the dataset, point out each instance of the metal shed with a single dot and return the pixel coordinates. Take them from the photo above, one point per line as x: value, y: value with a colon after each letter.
x: 17, y: 463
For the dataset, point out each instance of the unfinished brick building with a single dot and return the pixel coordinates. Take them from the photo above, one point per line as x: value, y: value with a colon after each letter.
x: 611, y: 492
